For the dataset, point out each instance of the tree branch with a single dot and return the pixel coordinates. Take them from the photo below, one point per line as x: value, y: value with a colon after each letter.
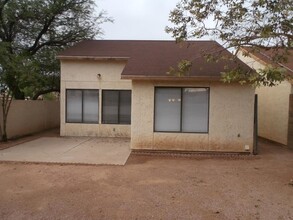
x: 1, y: 19
x: 33, y: 49
x: 42, y: 92
x: 62, y: 42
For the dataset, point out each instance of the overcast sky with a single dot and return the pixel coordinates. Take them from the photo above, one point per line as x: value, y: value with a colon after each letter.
x: 137, y: 19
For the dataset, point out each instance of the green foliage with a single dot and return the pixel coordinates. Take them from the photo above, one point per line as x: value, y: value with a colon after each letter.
x: 236, y: 23
x: 50, y: 96
x: 183, y: 68
x: 270, y: 76
x: 32, y: 32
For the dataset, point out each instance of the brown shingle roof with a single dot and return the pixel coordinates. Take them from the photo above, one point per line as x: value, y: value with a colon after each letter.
x: 153, y: 59
x: 265, y: 56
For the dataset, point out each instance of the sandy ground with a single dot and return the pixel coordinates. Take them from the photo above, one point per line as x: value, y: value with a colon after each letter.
x: 153, y: 187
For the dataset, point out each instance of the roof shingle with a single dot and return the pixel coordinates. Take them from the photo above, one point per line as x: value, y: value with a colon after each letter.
x: 153, y: 59
x: 266, y: 56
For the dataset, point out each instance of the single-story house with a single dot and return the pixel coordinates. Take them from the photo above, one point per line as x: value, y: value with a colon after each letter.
x: 115, y: 88
x: 275, y: 111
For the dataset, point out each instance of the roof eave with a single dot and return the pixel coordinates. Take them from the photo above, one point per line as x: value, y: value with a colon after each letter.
x: 261, y: 61
x: 64, y: 57
x: 253, y: 56
x: 183, y: 78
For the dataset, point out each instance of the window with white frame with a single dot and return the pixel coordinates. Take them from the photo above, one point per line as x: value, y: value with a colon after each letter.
x: 116, y: 107
x: 181, y: 109
x: 82, y: 106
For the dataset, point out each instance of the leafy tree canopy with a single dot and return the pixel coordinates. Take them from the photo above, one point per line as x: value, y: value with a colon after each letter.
x: 261, y: 24
x: 32, y: 32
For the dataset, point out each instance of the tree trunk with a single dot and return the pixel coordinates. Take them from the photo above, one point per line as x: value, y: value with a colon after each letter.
x: 14, y: 88
x: 18, y: 94
x: 6, y: 100
x: 4, y: 132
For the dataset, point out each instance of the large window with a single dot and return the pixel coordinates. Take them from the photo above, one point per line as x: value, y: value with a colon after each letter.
x: 182, y: 109
x: 116, y: 107
x: 82, y: 106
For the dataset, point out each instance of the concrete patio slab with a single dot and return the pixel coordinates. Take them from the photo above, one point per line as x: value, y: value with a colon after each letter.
x: 112, y: 151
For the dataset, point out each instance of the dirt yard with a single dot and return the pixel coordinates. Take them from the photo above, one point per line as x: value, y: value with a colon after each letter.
x: 153, y: 187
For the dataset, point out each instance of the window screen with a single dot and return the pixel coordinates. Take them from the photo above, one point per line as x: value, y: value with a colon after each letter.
x: 82, y: 106
x: 167, y: 111
x: 110, y: 107
x: 90, y: 106
x: 181, y: 109
x: 116, y: 107
x: 125, y: 107
x: 74, y: 106
x: 195, y: 110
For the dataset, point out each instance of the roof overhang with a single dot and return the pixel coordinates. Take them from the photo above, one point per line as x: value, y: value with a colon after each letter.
x: 172, y: 78
x: 251, y: 55
x: 261, y: 61
x: 60, y: 57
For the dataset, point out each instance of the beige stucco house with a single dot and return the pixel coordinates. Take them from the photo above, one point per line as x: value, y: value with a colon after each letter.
x: 122, y: 89
x: 273, y: 102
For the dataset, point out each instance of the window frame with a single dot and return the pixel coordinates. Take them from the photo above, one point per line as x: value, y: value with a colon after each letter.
x: 181, y: 96
x: 82, y: 103
x: 119, y: 98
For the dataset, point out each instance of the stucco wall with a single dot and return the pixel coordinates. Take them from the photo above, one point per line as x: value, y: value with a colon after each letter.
x: 230, y: 119
x: 82, y: 74
x: 273, y: 107
x: 27, y: 117
x: 273, y: 111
